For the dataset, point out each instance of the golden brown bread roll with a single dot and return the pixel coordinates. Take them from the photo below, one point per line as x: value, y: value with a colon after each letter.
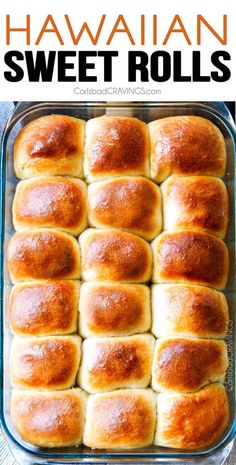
x: 51, y: 202
x: 190, y: 257
x: 50, y: 145
x: 116, y: 362
x: 120, y: 419
x: 186, y: 364
x: 43, y: 254
x: 44, y: 308
x: 113, y: 309
x: 195, y: 202
x: 111, y: 255
x: 188, y: 310
x: 49, y: 419
x: 116, y: 146
x: 191, y: 421
x: 130, y: 203
x: 48, y: 363
x: 186, y: 145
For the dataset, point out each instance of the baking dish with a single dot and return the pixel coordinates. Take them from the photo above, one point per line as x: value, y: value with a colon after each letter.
x: 26, y: 112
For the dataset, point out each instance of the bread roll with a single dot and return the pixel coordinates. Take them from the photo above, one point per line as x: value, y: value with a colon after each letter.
x: 116, y: 146
x: 114, y: 309
x: 191, y: 421
x: 195, y: 202
x: 130, y: 203
x: 48, y: 363
x: 112, y: 363
x: 51, y: 202
x: 111, y: 255
x: 120, y: 419
x: 186, y: 364
x: 49, y: 419
x: 50, y: 145
x: 188, y: 310
x: 186, y: 145
x: 44, y: 308
x: 43, y: 254
x: 190, y: 257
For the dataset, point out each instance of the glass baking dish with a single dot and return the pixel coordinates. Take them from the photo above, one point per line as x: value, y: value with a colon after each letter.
x: 26, y: 112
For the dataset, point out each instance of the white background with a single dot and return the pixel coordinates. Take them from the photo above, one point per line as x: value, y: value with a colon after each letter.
x: 91, y: 11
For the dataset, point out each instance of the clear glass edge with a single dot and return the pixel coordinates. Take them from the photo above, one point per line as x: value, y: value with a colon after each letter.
x: 41, y: 455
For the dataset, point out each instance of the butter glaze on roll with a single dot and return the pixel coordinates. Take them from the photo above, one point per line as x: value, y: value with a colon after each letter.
x: 114, y: 309
x: 116, y: 146
x: 195, y: 202
x: 187, y: 364
x: 130, y: 203
x: 44, y: 308
x: 48, y: 363
x: 191, y: 421
x: 112, y: 255
x: 43, y: 254
x: 51, y: 202
x: 122, y: 419
x: 49, y: 419
x: 188, y: 310
x: 190, y: 257
x: 112, y: 363
x: 50, y: 145
x: 186, y: 145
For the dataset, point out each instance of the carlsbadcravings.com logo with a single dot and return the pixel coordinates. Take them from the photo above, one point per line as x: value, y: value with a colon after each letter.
x: 78, y: 65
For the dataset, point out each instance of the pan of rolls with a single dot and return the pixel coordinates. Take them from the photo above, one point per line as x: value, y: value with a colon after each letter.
x: 118, y: 265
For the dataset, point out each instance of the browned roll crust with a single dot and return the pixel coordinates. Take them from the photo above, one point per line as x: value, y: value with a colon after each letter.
x: 186, y: 364
x: 114, y: 309
x: 188, y: 310
x: 192, y: 421
x: 116, y: 146
x: 49, y: 419
x: 48, y: 363
x: 44, y: 308
x: 120, y: 419
x: 186, y: 145
x: 195, y: 202
x: 111, y: 255
x: 116, y: 362
x: 50, y: 145
x: 191, y: 257
x: 130, y: 203
x: 43, y: 254
x: 51, y: 202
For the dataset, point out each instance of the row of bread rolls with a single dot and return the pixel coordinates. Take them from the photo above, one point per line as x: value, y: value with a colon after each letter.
x: 189, y: 202
x: 172, y: 364
x: 117, y: 146
x: 122, y: 419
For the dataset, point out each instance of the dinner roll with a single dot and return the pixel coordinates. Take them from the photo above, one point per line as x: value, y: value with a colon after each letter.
x: 131, y: 203
x: 52, y: 202
x: 195, y: 202
x: 188, y: 310
x: 192, y: 257
x: 186, y: 364
x: 120, y: 419
x: 49, y: 419
x: 50, y: 145
x: 116, y: 146
x: 45, y: 363
x: 43, y: 254
x: 111, y: 255
x: 116, y: 362
x: 186, y: 145
x: 114, y: 309
x: 44, y: 308
x: 191, y: 421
